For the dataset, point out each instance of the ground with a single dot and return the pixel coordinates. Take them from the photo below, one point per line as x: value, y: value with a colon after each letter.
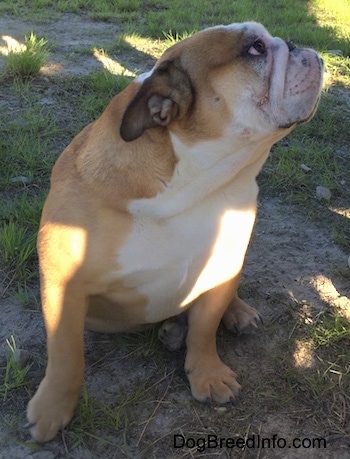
x: 290, y: 276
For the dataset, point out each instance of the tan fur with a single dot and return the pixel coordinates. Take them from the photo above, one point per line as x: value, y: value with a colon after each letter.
x: 151, y: 207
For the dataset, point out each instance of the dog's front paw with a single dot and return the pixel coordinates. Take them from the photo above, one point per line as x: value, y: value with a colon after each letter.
x: 49, y: 411
x: 239, y: 315
x: 212, y: 380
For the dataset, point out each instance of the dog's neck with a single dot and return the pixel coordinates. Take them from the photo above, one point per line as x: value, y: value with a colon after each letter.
x: 160, y: 174
x: 195, y: 181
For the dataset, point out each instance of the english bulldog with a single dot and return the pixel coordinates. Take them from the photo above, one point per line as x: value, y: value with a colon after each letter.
x: 151, y: 207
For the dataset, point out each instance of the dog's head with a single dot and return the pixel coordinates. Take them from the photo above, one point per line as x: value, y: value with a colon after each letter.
x: 235, y: 77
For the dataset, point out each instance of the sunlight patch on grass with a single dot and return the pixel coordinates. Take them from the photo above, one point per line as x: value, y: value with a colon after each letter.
x: 332, y: 330
x: 343, y: 212
x: 24, y: 61
x: 329, y: 294
x: 148, y: 46
x: 12, y: 46
x: 334, y: 15
x: 111, y: 65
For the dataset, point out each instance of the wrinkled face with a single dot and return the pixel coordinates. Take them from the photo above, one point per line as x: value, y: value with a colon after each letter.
x: 236, y: 76
x: 290, y: 78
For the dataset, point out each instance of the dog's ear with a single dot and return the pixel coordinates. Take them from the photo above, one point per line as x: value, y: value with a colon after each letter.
x: 163, y: 97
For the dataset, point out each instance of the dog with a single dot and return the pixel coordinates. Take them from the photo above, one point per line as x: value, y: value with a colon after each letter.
x: 151, y: 207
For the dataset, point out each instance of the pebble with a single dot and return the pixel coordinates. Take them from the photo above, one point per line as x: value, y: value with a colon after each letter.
x: 323, y: 193
x: 221, y: 409
x: 47, y: 101
x: 21, y: 179
x: 21, y: 357
x: 336, y: 52
x: 305, y: 168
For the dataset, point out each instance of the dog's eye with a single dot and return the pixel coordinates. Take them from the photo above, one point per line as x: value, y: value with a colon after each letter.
x: 258, y: 48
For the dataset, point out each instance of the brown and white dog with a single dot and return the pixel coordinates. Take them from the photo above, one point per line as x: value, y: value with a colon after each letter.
x: 151, y: 207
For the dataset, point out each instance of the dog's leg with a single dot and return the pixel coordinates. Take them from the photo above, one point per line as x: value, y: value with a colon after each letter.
x: 209, y: 377
x: 240, y: 315
x: 52, y: 406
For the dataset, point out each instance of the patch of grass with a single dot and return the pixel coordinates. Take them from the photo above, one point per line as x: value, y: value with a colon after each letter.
x: 311, y: 369
x: 102, y: 86
x: 123, y: 414
x: 15, y: 373
x: 337, y: 68
x: 327, y: 376
x: 17, y: 249
x: 85, y: 420
x: 320, y: 23
x: 25, y: 294
x: 19, y: 264
x: 331, y: 330
x: 137, y: 46
x: 341, y: 234
x: 95, y: 422
x: 144, y: 343
x: 18, y: 233
x: 25, y: 133
x: 26, y: 62
x: 174, y: 37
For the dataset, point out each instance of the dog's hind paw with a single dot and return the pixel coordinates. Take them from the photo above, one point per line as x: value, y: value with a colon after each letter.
x: 173, y: 331
x: 240, y: 316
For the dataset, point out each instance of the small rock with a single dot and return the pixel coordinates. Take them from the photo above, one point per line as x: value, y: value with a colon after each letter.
x: 221, y: 409
x: 305, y: 168
x: 323, y: 193
x: 336, y: 52
x: 349, y: 262
x: 21, y: 357
x: 112, y: 388
x: 343, y: 153
x: 47, y: 101
x: 21, y: 179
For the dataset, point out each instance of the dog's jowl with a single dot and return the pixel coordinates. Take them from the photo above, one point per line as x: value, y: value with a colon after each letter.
x: 151, y: 207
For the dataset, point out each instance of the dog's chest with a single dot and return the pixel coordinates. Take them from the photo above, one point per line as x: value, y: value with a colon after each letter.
x: 172, y: 261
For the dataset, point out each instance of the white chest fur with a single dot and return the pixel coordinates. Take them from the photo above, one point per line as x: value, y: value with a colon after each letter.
x: 172, y: 261
x: 193, y: 236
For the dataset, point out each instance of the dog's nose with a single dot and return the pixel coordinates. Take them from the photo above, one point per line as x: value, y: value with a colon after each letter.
x: 290, y: 45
